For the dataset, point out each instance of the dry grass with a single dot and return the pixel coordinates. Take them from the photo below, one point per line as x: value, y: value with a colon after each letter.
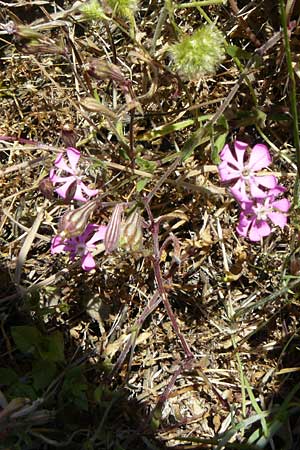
x: 235, y: 302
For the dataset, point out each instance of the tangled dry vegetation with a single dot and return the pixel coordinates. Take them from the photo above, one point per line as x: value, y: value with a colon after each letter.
x: 236, y: 303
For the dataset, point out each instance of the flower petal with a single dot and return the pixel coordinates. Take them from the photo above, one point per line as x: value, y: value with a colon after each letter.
x: 268, y: 181
x: 283, y: 205
x: 278, y: 218
x: 63, y: 190
x: 88, y: 262
x: 99, y: 235
x: 260, y: 157
x: 240, y: 149
x: 57, y: 245
x: 256, y: 192
x: 258, y: 230
x: 73, y: 157
x: 89, y: 192
x: 243, y: 225
x: 60, y: 163
x: 238, y: 191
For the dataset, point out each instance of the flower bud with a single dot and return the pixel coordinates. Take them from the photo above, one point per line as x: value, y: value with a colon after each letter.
x: 132, y: 234
x: 73, y: 223
x: 102, y: 70
x: 68, y: 135
x: 112, y: 235
x: 93, y: 105
x: 46, y: 187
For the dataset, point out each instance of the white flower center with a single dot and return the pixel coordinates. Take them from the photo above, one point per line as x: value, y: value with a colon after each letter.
x: 262, y: 211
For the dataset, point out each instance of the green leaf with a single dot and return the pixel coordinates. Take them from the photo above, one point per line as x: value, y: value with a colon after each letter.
x: 141, y: 184
x: 51, y: 348
x: 26, y: 338
x: 8, y: 376
x: 43, y: 372
x: 145, y: 164
x: 170, y: 128
x: 22, y: 390
x: 98, y: 394
x: 237, y: 52
x: 217, y: 145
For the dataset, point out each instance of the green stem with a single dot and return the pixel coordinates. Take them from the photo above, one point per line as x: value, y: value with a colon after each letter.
x: 200, y: 3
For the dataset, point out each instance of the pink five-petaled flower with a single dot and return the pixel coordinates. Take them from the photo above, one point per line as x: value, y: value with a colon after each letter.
x: 71, y: 185
x: 257, y: 213
x: 81, y: 245
x: 239, y: 170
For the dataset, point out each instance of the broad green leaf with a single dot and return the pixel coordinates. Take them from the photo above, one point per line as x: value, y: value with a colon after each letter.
x: 26, y: 338
x: 51, y: 348
x: 145, y: 164
x: 43, y: 373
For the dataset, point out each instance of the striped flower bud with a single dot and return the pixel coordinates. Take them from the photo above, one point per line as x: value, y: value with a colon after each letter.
x: 112, y: 235
x: 132, y: 234
x: 73, y: 223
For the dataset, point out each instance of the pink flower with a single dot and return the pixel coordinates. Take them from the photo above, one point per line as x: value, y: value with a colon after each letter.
x: 240, y: 170
x: 71, y: 185
x: 81, y: 245
x: 257, y: 213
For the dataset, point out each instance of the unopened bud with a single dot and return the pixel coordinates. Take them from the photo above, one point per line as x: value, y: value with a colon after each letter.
x: 93, y: 105
x: 25, y: 32
x: 73, y: 223
x: 132, y: 234
x: 102, y: 70
x: 68, y: 135
x: 112, y: 235
x: 46, y: 187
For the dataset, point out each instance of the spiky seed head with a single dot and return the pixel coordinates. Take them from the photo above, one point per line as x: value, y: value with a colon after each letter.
x: 199, y: 54
x: 92, y: 10
x: 125, y: 8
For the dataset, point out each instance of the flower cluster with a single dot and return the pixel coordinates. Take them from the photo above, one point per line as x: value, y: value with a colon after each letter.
x: 76, y: 237
x: 82, y: 245
x: 256, y: 193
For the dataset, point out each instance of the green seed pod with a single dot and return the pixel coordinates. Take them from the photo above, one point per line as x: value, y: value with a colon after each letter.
x: 199, y: 54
